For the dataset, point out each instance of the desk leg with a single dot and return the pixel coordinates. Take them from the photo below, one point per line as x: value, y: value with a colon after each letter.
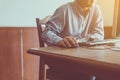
x: 42, y: 69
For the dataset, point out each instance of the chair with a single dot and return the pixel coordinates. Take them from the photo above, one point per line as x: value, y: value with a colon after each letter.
x: 39, y: 29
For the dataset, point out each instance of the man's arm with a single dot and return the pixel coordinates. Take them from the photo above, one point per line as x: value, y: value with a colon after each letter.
x: 53, y: 27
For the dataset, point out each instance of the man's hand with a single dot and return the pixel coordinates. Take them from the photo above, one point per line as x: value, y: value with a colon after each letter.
x: 68, y: 42
x: 90, y: 39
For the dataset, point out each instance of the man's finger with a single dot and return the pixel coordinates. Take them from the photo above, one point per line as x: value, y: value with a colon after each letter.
x: 72, y: 41
x: 67, y: 43
x: 62, y: 44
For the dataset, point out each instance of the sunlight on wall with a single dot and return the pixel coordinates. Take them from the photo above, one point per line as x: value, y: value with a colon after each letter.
x: 107, y: 8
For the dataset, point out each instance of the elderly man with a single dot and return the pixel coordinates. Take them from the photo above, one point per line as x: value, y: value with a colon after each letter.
x: 78, y: 20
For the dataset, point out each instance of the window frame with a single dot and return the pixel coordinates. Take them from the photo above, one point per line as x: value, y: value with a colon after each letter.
x: 116, y: 19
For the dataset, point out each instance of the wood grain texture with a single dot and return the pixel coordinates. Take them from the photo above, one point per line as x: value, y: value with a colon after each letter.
x: 10, y: 57
x: 31, y: 63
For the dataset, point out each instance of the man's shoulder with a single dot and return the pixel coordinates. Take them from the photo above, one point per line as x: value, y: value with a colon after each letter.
x: 96, y: 6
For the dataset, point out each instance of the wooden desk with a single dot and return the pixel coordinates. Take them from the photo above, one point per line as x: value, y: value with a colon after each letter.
x: 101, y: 63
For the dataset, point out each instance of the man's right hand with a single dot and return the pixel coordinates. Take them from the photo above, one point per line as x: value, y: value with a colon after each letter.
x: 68, y: 42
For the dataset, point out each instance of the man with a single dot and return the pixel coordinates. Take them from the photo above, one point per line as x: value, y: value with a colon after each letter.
x: 78, y: 20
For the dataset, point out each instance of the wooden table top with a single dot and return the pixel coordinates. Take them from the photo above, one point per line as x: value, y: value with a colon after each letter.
x: 100, y: 55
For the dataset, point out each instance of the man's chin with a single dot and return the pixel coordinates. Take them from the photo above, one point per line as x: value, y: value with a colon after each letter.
x: 87, y: 5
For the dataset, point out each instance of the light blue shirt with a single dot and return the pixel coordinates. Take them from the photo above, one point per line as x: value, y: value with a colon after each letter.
x: 69, y: 20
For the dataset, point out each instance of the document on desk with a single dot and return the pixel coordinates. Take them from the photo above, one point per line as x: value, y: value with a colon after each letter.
x: 115, y: 48
x: 99, y: 42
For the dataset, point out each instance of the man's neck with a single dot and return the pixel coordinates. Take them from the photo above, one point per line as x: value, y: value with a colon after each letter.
x: 86, y: 11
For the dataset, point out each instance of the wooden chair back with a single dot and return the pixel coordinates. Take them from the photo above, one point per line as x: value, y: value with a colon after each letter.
x: 39, y: 29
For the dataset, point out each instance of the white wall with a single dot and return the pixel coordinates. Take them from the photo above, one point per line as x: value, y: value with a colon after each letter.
x: 24, y: 12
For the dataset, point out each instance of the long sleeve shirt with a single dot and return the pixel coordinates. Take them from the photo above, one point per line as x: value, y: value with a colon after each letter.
x: 69, y: 20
